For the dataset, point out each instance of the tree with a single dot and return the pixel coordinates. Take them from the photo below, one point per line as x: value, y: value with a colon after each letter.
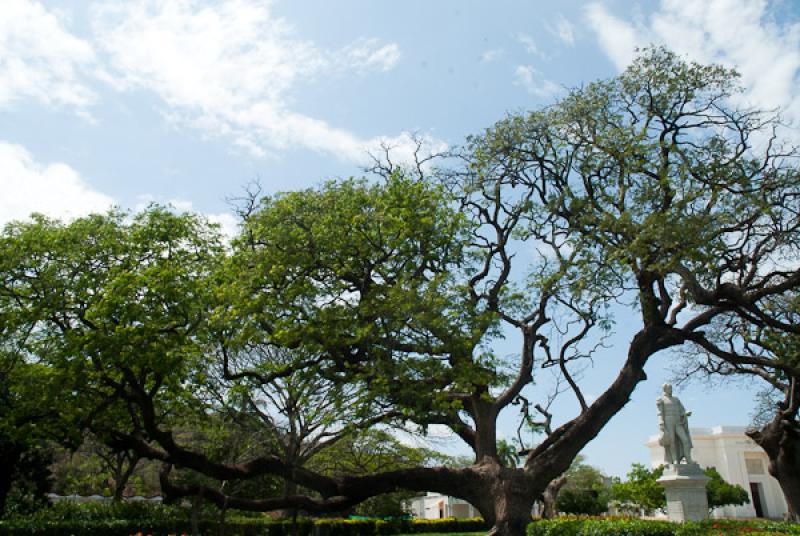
x: 584, y: 491
x: 722, y: 493
x: 301, y: 414
x: 643, y: 492
x: 768, y: 351
x: 75, y: 303
x: 648, y: 188
x: 507, y: 453
x: 550, y: 497
x: 91, y: 469
x: 642, y: 190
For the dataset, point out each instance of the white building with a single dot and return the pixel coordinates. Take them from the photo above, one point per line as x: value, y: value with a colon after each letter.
x: 740, y: 461
x: 436, y: 506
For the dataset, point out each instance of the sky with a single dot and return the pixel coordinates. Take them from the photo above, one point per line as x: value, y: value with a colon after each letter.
x: 107, y: 103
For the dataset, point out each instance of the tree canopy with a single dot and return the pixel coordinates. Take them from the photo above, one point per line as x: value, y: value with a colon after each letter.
x: 648, y: 190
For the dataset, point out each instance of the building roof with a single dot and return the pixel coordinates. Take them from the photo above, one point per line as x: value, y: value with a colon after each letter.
x: 713, y: 432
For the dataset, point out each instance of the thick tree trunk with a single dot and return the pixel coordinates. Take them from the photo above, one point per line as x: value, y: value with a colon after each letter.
x: 780, y: 440
x: 513, y: 502
x: 505, y: 500
x: 550, y: 495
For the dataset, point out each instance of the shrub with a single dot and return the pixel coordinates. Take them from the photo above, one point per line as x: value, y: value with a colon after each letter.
x: 448, y: 524
x: 574, y: 526
x: 601, y: 527
x: 126, y: 519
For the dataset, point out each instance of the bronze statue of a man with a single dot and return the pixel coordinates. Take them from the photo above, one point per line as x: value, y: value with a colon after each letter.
x: 674, y: 426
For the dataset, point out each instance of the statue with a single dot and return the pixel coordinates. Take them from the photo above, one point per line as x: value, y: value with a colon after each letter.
x: 684, y: 483
x: 674, y: 427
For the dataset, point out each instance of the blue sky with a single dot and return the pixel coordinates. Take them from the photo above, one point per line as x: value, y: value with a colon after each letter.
x: 124, y: 103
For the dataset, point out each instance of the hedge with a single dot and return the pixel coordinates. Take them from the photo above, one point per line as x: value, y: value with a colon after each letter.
x: 125, y: 519
x: 645, y: 527
x: 128, y: 527
x: 448, y: 524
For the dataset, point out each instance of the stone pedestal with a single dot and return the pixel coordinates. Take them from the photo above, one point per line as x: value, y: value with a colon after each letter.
x: 685, y: 486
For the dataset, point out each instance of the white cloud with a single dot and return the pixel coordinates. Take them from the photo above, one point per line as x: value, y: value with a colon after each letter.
x: 227, y: 69
x: 366, y: 54
x: 564, y: 30
x: 529, y: 44
x: 736, y: 33
x: 53, y: 189
x: 228, y: 223
x: 534, y: 83
x: 402, y: 148
x: 491, y: 55
x: 617, y: 37
x: 40, y: 59
x: 58, y: 191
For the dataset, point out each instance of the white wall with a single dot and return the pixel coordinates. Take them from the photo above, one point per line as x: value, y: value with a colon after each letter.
x: 732, y: 453
x: 434, y: 506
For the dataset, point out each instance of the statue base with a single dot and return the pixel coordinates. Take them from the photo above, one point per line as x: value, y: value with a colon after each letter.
x: 685, y: 487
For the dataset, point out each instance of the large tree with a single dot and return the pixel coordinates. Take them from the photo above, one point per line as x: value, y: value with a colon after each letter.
x: 109, y: 310
x: 643, y: 190
x: 768, y: 352
x: 649, y: 190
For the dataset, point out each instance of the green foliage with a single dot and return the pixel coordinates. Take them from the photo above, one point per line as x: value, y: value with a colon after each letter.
x: 644, y: 527
x: 95, y: 511
x: 98, y: 311
x: 636, y: 175
x: 126, y: 518
x: 584, y: 493
x: 507, y: 453
x: 80, y: 473
x: 31, y: 416
x: 366, y: 273
x: 113, y: 299
x: 585, y: 527
x: 65, y: 519
x: 394, y: 289
x: 445, y: 525
x: 642, y: 490
x: 227, y: 439
x: 30, y: 483
x: 352, y: 527
x: 722, y: 493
